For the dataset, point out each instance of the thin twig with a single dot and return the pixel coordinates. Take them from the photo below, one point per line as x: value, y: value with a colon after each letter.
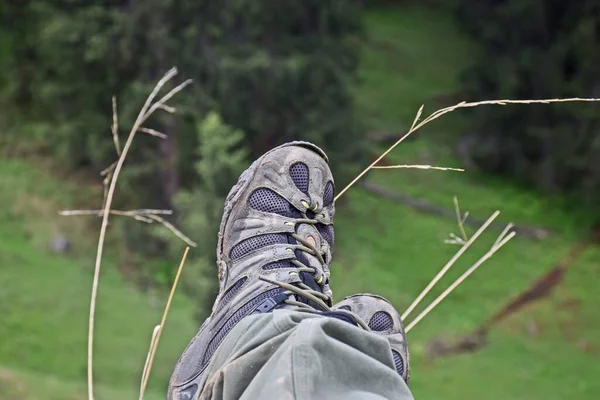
x: 115, y: 126
x: 460, y: 220
x: 141, y: 218
x: 166, y: 77
x: 153, y: 132
x: 107, y: 174
x: 417, y: 117
x: 504, y: 233
x: 145, y: 215
x: 446, y: 110
x: 165, y: 98
x: 461, y: 279
x: 504, y: 102
x: 152, y: 346
x: 154, y: 342
x: 449, y: 265
x: 108, y: 170
x: 167, y: 108
x: 412, y: 166
x: 143, y: 114
x: 130, y: 213
x: 464, y: 219
x: 455, y: 239
x: 172, y: 228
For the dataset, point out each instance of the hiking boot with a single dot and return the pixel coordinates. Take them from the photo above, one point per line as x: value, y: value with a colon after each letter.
x: 383, y: 319
x: 274, y: 249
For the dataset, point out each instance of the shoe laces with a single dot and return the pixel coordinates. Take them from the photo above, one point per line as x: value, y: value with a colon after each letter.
x: 301, y: 289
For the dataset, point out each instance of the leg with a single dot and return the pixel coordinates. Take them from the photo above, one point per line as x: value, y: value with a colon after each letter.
x: 274, y: 250
x: 296, y: 355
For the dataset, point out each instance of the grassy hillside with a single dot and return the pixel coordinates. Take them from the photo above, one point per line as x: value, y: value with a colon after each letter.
x: 548, y: 350
x: 414, y: 56
x: 45, y: 301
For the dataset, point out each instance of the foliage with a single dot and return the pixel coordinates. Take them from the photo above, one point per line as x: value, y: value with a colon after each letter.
x: 282, y: 71
x: 547, y: 351
x: 537, y: 49
x: 221, y: 160
x: 278, y: 70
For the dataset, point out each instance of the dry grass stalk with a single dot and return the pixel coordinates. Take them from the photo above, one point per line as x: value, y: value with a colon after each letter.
x: 413, y: 166
x: 416, y: 126
x: 130, y: 213
x: 148, y: 216
x: 112, y: 175
x: 159, y: 328
x: 450, y: 263
x: 115, y: 126
x: 501, y: 241
x: 153, y: 132
x: 152, y: 346
x: 171, y: 227
x: 460, y: 220
x: 167, y: 108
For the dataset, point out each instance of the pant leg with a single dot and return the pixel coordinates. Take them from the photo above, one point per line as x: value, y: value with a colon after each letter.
x: 302, y: 356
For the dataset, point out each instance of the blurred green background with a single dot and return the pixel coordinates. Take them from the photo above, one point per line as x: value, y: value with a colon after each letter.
x: 350, y: 76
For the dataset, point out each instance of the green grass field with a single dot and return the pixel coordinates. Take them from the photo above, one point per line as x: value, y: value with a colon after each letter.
x: 45, y: 301
x: 549, y: 350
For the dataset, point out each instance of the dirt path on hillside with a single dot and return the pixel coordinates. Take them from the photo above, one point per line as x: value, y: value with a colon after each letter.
x: 524, y: 231
x: 539, y: 289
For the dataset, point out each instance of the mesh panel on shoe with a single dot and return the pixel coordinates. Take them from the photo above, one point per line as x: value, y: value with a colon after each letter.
x: 266, y: 200
x: 398, y: 362
x: 299, y: 174
x: 277, y: 264
x: 381, y: 321
x: 256, y: 242
x: 327, y: 232
x: 232, y: 291
x: 328, y: 194
x: 233, y: 320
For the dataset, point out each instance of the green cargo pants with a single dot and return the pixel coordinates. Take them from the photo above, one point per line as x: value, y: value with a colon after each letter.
x: 296, y: 355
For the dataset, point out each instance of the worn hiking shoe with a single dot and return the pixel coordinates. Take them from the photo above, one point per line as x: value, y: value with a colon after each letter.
x: 273, y: 251
x: 382, y: 318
